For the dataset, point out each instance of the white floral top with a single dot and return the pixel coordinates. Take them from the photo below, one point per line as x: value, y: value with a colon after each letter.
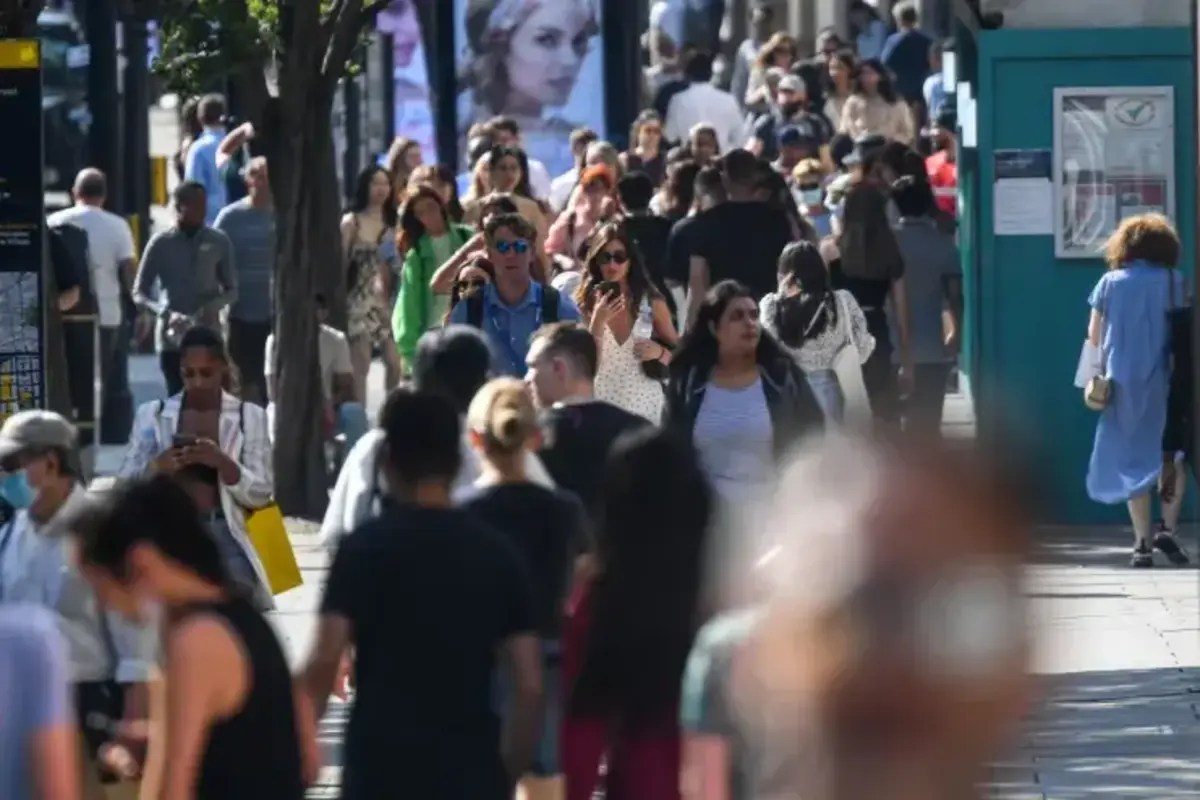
x: 819, y: 352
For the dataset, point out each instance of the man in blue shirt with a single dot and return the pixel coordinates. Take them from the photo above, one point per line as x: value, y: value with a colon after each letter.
x: 906, y: 53
x: 201, y: 163
x: 935, y: 88
x: 513, y: 306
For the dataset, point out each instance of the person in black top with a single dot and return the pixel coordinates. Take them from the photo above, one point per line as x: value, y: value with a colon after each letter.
x: 578, y: 431
x: 1179, y: 437
x: 649, y: 231
x: 790, y: 111
x: 545, y: 525
x: 709, y: 192
x: 428, y: 595
x: 234, y: 727
x: 740, y: 239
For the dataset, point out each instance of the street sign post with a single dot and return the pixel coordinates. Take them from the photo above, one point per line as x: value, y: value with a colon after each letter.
x: 22, y: 230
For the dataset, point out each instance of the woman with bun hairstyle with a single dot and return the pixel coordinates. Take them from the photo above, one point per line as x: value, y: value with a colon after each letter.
x: 546, y: 527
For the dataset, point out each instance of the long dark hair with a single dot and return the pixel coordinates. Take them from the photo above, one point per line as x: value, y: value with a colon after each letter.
x: 154, y: 510
x: 638, y: 281
x: 362, y: 194
x: 867, y: 243
x: 681, y: 188
x: 698, y: 347
x: 202, y: 337
x: 806, y: 315
x: 644, y: 117
x: 480, y: 261
x: 411, y: 229
x: 886, y: 89
x: 653, y: 523
x: 498, y: 153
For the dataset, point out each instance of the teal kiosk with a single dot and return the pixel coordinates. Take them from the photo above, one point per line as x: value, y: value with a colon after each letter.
x: 1060, y: 130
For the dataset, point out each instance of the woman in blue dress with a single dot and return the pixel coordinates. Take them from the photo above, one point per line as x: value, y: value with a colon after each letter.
x: 1129, y: 323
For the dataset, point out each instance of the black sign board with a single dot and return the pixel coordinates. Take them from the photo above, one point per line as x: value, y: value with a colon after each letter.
x: 22, y: 229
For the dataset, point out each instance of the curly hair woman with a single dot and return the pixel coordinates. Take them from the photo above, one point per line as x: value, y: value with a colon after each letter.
x: 1129, y: 323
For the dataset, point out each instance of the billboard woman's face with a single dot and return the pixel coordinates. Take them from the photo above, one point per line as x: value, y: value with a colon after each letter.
x: 546, y: 53
x: 399, y: 20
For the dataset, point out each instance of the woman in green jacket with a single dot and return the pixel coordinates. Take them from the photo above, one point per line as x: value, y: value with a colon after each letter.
x: 428, y: 239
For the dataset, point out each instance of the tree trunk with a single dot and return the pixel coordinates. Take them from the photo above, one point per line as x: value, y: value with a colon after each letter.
x: 304, y: 180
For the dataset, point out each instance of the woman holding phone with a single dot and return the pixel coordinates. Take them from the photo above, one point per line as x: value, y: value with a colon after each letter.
x: 630, y: 320
x: 216, y: 448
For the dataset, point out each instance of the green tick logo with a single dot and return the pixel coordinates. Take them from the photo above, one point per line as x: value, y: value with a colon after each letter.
x: 1135, y: 112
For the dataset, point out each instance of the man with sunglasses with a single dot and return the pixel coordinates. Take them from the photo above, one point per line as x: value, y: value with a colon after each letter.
x: 513, y: 306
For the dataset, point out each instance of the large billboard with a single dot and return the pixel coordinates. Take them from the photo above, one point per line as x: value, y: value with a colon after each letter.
x: 538, y: 61
x: 413, y: 115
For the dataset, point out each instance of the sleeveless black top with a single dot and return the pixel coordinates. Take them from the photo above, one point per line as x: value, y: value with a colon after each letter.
x: 254, y: 754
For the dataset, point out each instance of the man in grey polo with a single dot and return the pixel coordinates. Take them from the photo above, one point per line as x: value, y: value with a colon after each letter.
x: 250, y: 225
x: 186, y: 278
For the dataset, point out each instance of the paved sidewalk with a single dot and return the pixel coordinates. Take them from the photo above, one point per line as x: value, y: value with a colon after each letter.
x: 1118, y: 649
x: 1119, y: 653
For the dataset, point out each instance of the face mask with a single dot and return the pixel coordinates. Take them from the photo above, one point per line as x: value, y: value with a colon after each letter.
x: 811, y: 197
x: 16, y: 491
x: 790, y: 109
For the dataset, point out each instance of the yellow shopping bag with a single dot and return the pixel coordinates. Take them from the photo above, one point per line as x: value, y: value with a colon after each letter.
x: 265, y: 528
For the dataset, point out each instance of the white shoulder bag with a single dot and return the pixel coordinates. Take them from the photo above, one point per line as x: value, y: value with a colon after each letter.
x: 848, y: 367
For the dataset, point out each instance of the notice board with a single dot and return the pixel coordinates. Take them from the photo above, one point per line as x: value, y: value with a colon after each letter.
x: 22, y: 230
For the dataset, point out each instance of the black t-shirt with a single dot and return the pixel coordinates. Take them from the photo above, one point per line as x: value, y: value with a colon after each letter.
x: 577, y: 438
x: 430, y: 595
x: 741, y: 241
x: 679, y: 250
x: 651, y: 233
x: 547, y: 527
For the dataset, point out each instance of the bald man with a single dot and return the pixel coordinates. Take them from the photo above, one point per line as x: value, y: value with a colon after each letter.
x: 110, y: 254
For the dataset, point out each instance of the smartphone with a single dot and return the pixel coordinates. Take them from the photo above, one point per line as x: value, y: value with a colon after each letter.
x: 608, y: 288
x: 183, y: 440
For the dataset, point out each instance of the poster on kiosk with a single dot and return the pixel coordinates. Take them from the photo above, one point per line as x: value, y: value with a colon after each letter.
x: 540, y: 62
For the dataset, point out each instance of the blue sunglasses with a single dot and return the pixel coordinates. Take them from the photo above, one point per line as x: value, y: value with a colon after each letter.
x: 518, y: 246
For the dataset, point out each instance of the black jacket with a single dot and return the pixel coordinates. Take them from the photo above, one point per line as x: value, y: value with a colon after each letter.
x: 790, y: 400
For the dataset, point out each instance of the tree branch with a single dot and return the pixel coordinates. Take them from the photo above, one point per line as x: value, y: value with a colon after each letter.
x: 352, y: 16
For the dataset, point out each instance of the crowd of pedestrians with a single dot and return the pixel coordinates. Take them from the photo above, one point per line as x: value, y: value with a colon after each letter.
x: 565, y: 557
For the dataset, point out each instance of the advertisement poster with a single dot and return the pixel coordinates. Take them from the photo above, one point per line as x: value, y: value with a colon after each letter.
x: 413, y: 112
x: 22, y: 376
x: 1114, y: 157
x: 538, y: 61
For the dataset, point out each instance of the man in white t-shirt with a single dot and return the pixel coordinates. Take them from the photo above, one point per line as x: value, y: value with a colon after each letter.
x: 110, y: 255
x: 344, y: 413
x: 702, y: 102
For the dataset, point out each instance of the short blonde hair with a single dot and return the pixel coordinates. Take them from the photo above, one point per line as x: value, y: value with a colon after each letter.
x: 1146, y: 237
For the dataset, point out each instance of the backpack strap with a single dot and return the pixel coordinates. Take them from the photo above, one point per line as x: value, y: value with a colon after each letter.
x: 550, y: 302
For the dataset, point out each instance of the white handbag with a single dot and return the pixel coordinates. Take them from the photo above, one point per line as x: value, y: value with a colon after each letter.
x: 848, y: 368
